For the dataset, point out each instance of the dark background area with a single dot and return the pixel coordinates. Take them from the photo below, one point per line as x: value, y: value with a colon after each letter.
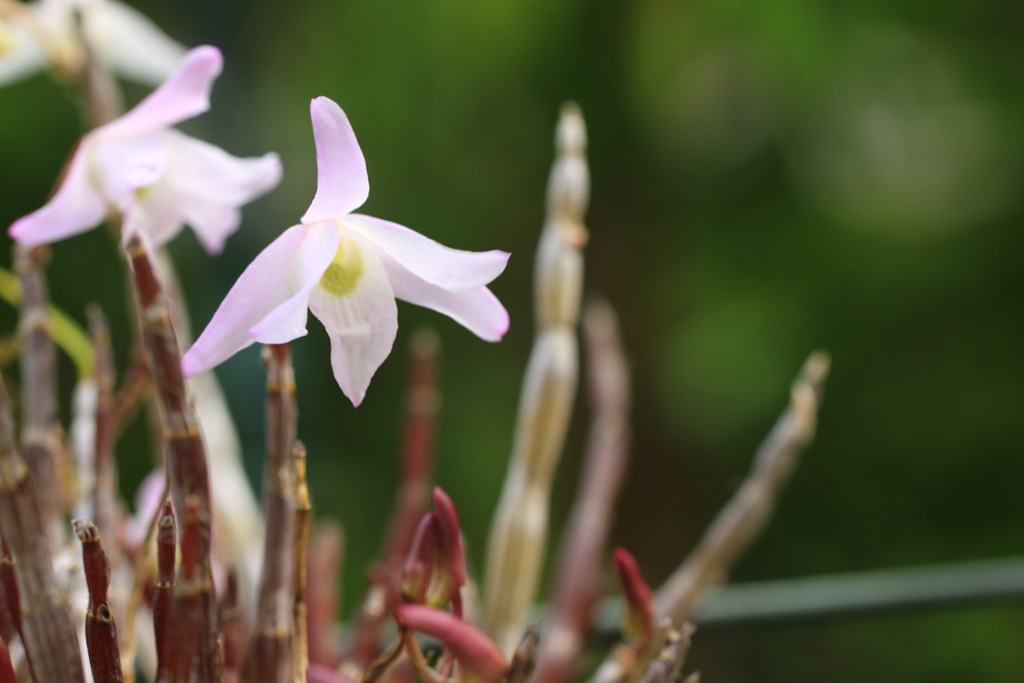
x: 768, y: 179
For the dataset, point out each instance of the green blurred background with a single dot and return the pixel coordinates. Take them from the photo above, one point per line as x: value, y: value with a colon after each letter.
x: 768, y: 178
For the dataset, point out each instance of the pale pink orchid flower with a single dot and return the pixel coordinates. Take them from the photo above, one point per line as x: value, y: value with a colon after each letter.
x: 348, y: 269
x: 153, y: 176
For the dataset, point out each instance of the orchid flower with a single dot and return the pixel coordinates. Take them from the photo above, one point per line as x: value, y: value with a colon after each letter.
x: 155, y: 177
x: 121, y: 38
x: 348, y: 269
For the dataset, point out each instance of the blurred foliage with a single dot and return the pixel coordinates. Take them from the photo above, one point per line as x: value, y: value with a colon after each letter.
x: 769, y: 178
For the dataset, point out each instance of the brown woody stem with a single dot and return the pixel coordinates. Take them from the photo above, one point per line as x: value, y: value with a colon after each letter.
x: 232, y: 629
x: 163, y: 591
x: 39, y: 436
x: 303, y: 517
x: 46, y: 628
x: 100, y: 628
x: 186, y: 463
x: 269, y: 659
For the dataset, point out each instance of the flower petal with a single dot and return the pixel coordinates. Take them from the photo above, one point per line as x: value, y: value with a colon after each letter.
x: 184, y: 95
x: 437, y: 264
x: 362, y: 324
x: 74, y: 208
x: 131, y: 44
x: 207, y: 171
x: 20, y: 54
x: 211, y: 184
x: 288, y: 321
x: 341, y: 183
x: 274, y: 280
x: 124, y: 165
x: 478, y: 310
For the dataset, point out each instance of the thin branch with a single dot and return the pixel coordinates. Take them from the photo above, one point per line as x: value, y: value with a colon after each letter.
x: 421, y: 405
x: 233, y: 630
x: 303, y: 518
x: 738, y: 523
x: 322, y: 592
x: 269, y: 657
x: 39, y: 434
x: 46, y: 628
x: 163, y: 590
x: 186, y: 463
x: 100, y: 627
x: 668, y: 665
x: 578, y: 584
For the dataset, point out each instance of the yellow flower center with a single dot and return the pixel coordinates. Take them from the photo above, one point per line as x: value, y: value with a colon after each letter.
x: 342, y: 276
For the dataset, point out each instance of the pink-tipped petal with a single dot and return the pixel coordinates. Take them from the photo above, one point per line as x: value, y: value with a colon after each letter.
x: 75, y: 207
x: 478, y: 310
x: 213, y: 222
x: 184, y: 95
x: 274, y: 277
x: 199, y: 169
x: 362, y: 324
x: 288, y: 320
x: 341, y: 184
x: 435, y: 263
x: 211, y: 184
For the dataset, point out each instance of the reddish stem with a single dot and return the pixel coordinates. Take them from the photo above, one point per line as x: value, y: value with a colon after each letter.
x: 269, y: 659
x: 100, y: 628
x: 185, y: 460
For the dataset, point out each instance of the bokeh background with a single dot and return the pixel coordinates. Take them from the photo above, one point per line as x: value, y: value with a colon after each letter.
x: 768, y: 179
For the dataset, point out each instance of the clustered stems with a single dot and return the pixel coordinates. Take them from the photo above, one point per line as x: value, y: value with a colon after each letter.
x: 519, y: 530
x: 46, y: 629
x: 39, y: 434
x: 195, y: 610
x: 163, y: 591
x: 737, y: 524
x: 100, y: 627
x: 578, y: 584
x: 269, y: 658
x: 740, y: 521
x: 668, y: 665
x: 421, y: 407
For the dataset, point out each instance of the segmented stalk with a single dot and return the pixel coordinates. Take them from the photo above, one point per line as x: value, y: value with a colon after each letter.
x: 519, y: 530
x: 45, y: 625
x: 269, y: 659
x: 583, y: 553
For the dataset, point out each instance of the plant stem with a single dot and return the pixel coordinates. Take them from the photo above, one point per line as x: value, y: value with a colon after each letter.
x: 519, y: 531
x: 269, y: 658
x: 186, y: 463
x: 46, y: 628
x: 579, y: 580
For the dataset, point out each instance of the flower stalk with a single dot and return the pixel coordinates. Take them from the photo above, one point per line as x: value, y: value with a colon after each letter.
x: 519, y: 530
